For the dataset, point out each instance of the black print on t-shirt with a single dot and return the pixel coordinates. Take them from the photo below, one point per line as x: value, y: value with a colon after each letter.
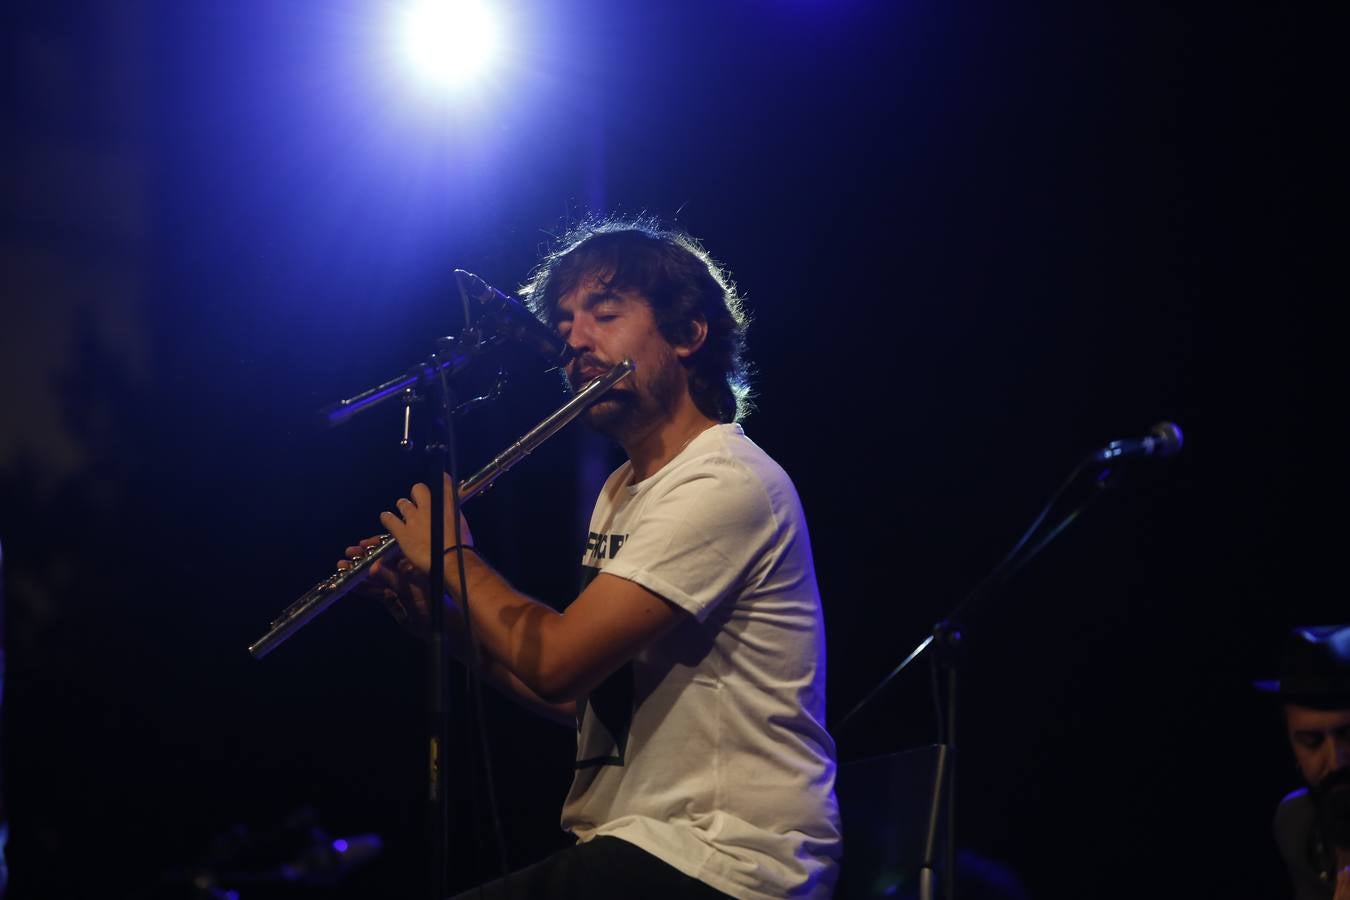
x: 603, y: 546
x: 610, y: 703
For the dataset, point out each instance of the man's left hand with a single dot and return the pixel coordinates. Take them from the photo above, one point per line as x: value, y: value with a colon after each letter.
x: 411, y: 525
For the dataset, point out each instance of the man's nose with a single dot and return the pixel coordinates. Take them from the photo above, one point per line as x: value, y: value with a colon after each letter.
x: 1331, y: 756
x: 579, y: 336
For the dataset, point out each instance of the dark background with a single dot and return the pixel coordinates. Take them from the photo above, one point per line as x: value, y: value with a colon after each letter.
x: 977, y: 240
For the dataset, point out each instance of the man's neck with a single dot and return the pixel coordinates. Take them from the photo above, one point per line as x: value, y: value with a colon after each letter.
x: 652, y: 450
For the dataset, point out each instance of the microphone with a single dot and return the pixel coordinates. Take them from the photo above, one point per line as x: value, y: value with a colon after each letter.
x: 508, y: 317
x: 1163, y: 440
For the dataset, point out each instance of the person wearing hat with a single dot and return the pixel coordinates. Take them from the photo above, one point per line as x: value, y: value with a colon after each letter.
x: 1312, y: 824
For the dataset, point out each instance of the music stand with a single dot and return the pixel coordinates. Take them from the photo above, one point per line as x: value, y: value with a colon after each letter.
x: 893, y: 818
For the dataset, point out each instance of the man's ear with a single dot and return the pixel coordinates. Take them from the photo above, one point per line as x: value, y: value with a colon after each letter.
x: 697, y: 334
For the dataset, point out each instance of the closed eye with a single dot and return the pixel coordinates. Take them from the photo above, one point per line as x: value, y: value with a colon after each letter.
x: 1310, y: 740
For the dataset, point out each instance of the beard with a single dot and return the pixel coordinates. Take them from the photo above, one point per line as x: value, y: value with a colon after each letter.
x: 1331, y: 800
x: 640, y: 402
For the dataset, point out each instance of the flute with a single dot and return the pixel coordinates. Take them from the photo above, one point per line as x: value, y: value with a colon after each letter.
x: 343, y: 581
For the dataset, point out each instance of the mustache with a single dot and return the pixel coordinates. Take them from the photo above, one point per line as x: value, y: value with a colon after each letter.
x: 586, y: 367
x: 1337, y: 779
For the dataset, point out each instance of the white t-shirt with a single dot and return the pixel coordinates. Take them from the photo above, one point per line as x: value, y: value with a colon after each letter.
x: 709, y: 749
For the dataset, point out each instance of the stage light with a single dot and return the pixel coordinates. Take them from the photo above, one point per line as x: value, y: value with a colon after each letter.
x: 449, y: 43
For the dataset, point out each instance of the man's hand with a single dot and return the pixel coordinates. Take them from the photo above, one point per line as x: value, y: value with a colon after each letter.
x: 411, y: 525
x: 396, y: 584
x: 1342, y: 874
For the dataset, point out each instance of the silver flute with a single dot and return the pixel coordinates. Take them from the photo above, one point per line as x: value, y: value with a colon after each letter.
x: 340, y: 583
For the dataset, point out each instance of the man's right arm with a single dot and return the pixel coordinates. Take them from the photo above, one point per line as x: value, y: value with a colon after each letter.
x: 498, y: 675
x: 564, y: 713
x: 396, y: 585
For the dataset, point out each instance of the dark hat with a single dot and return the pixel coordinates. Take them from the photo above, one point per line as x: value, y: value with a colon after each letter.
x: 1314, y: 667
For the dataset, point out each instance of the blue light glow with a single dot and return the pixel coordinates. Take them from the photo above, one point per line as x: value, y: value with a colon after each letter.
x: 450, y: 44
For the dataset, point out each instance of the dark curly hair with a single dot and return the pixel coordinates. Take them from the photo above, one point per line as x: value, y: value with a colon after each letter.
x: 682, y: 284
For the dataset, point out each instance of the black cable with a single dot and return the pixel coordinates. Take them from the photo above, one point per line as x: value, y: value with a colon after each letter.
x: 998, y: 573
x: 1008, y: 566
x: 473, y: 661
x: 939, y: 714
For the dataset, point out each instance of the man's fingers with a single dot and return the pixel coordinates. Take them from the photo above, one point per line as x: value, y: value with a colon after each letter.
x: 357, y: 551
x: 381, y: 574
x: 394, y: 606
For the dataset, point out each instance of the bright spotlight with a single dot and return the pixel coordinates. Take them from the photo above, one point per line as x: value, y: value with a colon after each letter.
x: 450, y: 43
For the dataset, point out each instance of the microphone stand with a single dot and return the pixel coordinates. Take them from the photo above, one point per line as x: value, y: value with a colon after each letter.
x: 945, y: 644
x: 437, y: 656
x: 502, y: 318
x: 452, y: 355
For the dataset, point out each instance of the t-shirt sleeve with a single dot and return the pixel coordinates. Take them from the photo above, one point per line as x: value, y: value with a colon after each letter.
x: 700, y: 537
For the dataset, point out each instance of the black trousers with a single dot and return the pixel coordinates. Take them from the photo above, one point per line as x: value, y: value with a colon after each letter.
x: 603, y: 868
